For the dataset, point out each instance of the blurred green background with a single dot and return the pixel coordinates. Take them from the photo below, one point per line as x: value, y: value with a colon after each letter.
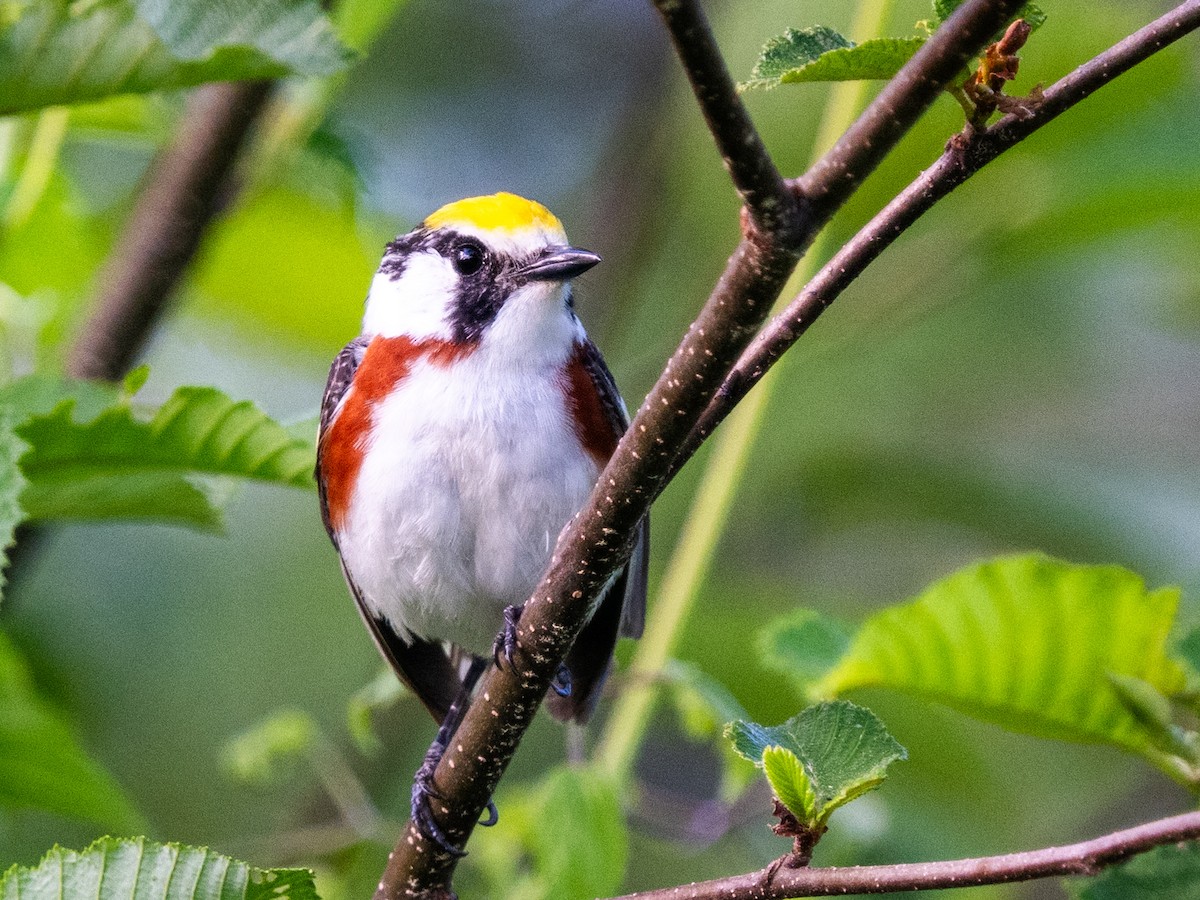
x: 1021, y: 371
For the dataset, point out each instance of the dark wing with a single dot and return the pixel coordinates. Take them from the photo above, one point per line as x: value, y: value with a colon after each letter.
x: 341, y: 376
x: 423, y: 666
x: 622, y: 608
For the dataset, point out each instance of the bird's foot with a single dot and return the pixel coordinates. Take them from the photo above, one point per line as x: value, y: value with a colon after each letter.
x: 424, y: 792
x: 506, y: 640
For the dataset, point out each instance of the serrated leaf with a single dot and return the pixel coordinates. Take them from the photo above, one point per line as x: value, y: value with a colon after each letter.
x: 794, y: 48
x: 136, y: 867
x: 844, y: 750
x: 804, y: 645
x: 293, y: 33
x: 122, y: 465
x: 821, y: 54
x: 42, y: 765
x: 790, y: 783
x: 1171, y: 871
x: 56, y: 52
x: 37, y: 395
x: 1029, y: 643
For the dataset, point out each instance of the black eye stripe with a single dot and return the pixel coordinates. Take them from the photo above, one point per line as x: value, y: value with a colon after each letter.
x: 481, y: 291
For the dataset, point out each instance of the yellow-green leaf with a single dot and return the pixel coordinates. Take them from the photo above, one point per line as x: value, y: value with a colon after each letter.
x: 821, y: 759
x: 1030, y: 643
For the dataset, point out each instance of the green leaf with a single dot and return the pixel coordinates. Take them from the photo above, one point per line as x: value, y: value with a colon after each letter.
x: 579, y: 840
x: 821, y: 54
x: 42, y: 765
x: 794, y: 48
x: 259, y: 756
x: 37, y: 395
x: 291, y: 33
x: 804, y: 644
x: 1188, y: 649
x: 380, y: 692
x: 791, y: 784
x: 12, y: 484
x: 838, y: 751
x: 56, y: 52
x: 136, y: 867
x: 359, y: 22
x: 1172, y: 871
x: 704, y: 706
x: 1030, y: 12
x: 121, y: 465
x: 1029, y: 643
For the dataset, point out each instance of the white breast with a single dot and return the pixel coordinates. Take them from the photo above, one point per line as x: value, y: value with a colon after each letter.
x: 473, y: 472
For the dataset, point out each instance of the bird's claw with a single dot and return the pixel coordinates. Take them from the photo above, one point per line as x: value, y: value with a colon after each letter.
x: 493, y: 816
x: 422, y: 793
x: 506, y: 640
x: 561, y: 684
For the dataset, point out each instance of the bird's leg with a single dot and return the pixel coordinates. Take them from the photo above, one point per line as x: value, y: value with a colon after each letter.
x: 506, y: 643
x: 424, y: 790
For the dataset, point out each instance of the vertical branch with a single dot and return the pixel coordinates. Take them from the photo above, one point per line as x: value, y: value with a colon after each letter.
x: 182, y: 193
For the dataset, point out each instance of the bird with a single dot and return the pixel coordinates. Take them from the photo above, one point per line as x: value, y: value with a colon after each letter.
x: 459, y: 433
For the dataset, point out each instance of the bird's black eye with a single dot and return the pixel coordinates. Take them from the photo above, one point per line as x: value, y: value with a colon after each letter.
x: 467, y: 258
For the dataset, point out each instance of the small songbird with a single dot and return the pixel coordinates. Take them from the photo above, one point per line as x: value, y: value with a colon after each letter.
x: 459, y: 434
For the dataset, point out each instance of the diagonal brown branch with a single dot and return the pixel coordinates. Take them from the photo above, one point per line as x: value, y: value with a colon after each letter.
x: 964, y: 157
x: 182, y: 193
x: 595, y: 544
x: 1085, y: 858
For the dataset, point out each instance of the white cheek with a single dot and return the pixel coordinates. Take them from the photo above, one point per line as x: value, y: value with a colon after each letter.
x: 415, y: 303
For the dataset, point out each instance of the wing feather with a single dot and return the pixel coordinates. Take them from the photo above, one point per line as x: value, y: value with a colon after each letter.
x: 421, y: 665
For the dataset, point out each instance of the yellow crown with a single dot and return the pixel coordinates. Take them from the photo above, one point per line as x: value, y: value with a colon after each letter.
x: 495, y: 212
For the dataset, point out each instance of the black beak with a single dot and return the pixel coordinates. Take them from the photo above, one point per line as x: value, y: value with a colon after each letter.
x: 560, y: 264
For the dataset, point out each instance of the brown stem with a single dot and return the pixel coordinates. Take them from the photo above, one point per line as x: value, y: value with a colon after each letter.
x: 182, y: 192
x: 771, y: 205
x: 594, y: 545
x: 1087, y: 858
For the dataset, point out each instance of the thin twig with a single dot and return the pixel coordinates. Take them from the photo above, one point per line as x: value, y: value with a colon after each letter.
x: 182, y: 193
x: 594, y: 545
x: 769, y: 201
x: 1087, y: 858
x: 963, y: 158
